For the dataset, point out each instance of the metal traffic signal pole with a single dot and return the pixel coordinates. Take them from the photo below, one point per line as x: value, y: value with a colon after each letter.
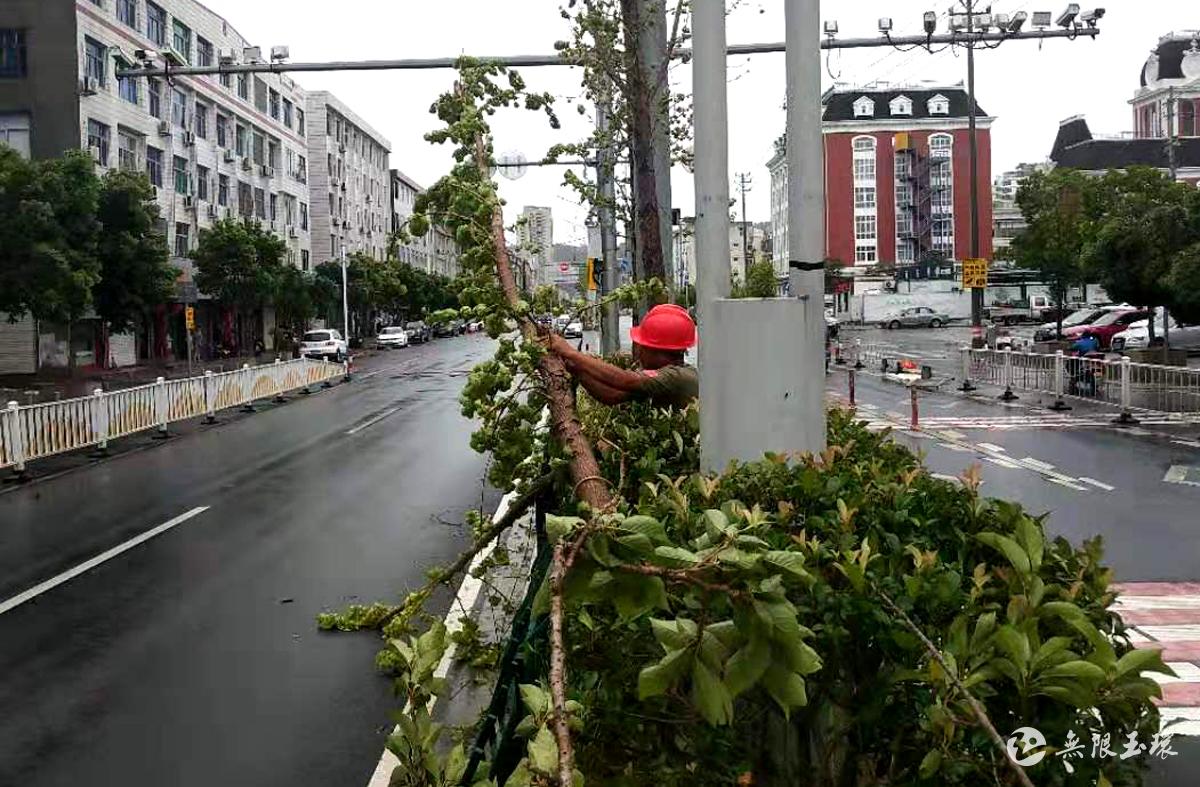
x: 973, y: 144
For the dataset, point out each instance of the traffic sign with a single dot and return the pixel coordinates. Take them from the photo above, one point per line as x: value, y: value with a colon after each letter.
x: 974, y: 274
x: 591, y: 274
x: 564, y: 267
x: 189, y: 316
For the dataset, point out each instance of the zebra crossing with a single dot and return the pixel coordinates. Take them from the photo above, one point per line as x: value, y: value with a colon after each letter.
x: 1166, y: 616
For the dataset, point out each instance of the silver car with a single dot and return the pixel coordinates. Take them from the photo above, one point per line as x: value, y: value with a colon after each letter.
x: 915, y: 317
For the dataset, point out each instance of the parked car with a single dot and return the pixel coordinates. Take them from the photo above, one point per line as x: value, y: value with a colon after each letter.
x: 326, y: 343
x: 448, y: 328
x: 1106, y: 327
x: 915, y: 317
x: 418, y: 332
x: 573, y: 330
x: 391, y: 338
x: 1137, y: 336
x: 1048, y: 332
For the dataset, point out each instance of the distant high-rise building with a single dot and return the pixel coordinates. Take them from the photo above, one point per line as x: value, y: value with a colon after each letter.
x: 535, y: 233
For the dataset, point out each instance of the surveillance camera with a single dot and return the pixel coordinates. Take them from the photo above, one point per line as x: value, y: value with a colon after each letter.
x: 930, y: 22
x: 958, y: 22
x: 1001, y: 21
x: 1017, y: 22
x: 1090, y: 18
x: 831, y: 27
x: 1041, y: 18
x: 280, y: 53
x: 885, y: 24
x: 1067, y: 17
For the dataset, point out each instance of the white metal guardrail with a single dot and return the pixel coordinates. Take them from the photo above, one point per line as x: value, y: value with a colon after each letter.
x: 1120, y: 382
x: 41, y: 430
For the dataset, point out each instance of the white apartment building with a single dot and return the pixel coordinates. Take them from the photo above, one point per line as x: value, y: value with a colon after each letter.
x: 350, y: 182
x: 213, y: 146
x: 535, y: 233
x: 436, y: 252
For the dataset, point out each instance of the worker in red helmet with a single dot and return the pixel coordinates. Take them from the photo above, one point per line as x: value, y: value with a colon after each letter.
x: 660, y: 345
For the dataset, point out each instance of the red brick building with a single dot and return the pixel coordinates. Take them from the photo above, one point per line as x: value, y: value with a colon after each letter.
x: 897, y: 177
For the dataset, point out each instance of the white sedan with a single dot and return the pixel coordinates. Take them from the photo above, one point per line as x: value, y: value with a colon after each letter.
x: 573, y: 330
x: 392, y: 338
x: 1137, y: 336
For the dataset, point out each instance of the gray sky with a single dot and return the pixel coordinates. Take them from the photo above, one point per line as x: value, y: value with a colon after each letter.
x: 1028, y: 89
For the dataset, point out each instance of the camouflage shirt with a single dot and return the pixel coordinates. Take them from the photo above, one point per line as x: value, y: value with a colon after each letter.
x: 674, y: 386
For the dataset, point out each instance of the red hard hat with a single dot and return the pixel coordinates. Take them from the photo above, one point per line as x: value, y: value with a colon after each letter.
x: 665, y: 327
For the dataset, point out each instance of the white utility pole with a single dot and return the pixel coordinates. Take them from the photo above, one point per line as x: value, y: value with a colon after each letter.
x: 345, y: 300
x: 610, y: 277
x: 806, y: 209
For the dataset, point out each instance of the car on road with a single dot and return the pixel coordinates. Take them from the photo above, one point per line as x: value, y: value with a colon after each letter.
x: 1106, y: 327
x: 1047, y: 332
x: 325, y: 343
x: 573, y: 330
x: 915, y: 317
x: 1137, y: 336
x: 418, y: 332
x: 391, y: 338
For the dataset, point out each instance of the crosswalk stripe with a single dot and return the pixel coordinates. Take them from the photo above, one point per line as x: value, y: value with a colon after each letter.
x: 1094, y: 482
x: 1132, y: 602
x: 1186, y: 632
x: 1185, y: 672
x: 1039, y: 464
x: 992, y: 447
x: 1180, y: 721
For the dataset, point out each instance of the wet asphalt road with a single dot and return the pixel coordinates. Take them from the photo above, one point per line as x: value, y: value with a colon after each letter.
x: 193, y: 658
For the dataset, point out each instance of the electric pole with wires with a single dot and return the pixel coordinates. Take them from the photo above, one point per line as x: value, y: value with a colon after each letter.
x: 745, y: 183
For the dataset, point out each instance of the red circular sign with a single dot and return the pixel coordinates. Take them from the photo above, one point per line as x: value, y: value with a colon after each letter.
x: 563, y: 267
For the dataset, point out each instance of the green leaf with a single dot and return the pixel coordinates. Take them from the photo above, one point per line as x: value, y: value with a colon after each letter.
x: 639, y: 543
x: 658, y: 678
x: 790, y: 562
x: 715, y: 523
x: 930, y: 764
x: 634, y: 595
x: 984, y: 626
x: 1014, y: 644
x: 712, y: 650
x: 785, y: 687
x: 674, y: 634
x: 647, y: 526
x: 1143, y: 660
x: 536, y: 701
x: 710, y: 696
x: 1010, y: 549
x: 559, y: 526
x: 456, y: 765
x: 543, y: 751
x: 1049, y: 649
x: 799, y: 656
x: 747, y: 665
x: 1029, y: 534
x: 1079, y: 670
x: 675, y: 557
x: 521, y: 777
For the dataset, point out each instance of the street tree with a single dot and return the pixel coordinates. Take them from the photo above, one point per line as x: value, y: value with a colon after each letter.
x: 239, y: 263
x: 48, y: 236
x: 135, y: 270
x: 760, y: 281
x: 1143, y: 222
x: 1056, y: 230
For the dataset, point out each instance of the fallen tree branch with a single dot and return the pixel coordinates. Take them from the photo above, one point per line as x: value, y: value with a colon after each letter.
x: 680, y: 576
x: 976, y: 708
x: 515, y: 511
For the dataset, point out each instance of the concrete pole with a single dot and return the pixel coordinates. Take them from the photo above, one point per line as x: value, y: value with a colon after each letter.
x: 610, y: 314
x: 712, y: 216
x: 806, y: 208
x: 653, y: 43
x: 345, y: 301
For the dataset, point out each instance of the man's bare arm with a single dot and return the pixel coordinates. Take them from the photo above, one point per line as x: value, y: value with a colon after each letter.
x: 589, y: 366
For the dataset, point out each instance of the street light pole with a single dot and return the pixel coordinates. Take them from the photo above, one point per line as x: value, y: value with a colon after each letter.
x: 973, y: 143
x: 345, y: 299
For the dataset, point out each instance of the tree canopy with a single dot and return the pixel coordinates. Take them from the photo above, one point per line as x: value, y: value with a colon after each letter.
x: 239, y: 262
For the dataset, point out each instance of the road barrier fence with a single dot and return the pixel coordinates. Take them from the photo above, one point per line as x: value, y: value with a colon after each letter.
x: 1120, y: 382
x: 42, y: 430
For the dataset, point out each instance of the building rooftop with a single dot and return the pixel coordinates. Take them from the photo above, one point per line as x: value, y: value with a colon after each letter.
x: 1176, y: 57
x: 839, y: 101
x: 1075, y: 147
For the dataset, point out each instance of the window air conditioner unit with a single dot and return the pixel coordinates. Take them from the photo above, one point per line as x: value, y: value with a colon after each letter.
x: 230, y: 157
x: 267, y: 171
x: 172, y: 57
x: 88, y: 86
x: 247, y: 163
x: 189, y: 138
x: 228, y: 57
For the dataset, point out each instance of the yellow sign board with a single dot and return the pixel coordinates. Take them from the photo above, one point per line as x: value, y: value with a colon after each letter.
x: 189, y: 316
x: 591, y: 274
x: 974, y: 274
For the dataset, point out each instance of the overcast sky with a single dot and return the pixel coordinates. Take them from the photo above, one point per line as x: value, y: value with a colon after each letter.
x: 1027, y: 88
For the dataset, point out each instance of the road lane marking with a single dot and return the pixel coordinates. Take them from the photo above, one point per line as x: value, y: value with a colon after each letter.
x: 1186, y: 632
x: 1037, y: 463
x: 1157, y: 602
x: 1188, y: 443
x: 1067, y: 483
x: 1004, y: 463
x: 1094, y: 482
x: 376, y: 419
x: 992, y: 447
x: 88, y: 565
